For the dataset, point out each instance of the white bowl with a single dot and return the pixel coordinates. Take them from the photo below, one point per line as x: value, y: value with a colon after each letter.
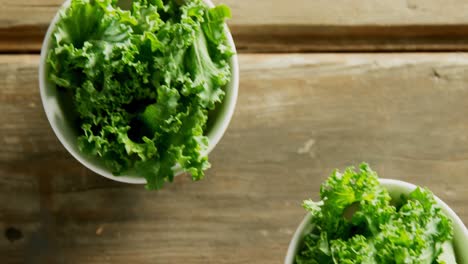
x: 68, y: 136
x: 396, y: 189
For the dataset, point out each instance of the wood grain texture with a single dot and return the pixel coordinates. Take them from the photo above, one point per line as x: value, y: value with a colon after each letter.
x: 298, y: 117
x: 296, y: 25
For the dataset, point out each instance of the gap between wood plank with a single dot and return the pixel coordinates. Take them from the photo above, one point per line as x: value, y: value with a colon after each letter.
x: 279, y: 39
x: 261, y: 39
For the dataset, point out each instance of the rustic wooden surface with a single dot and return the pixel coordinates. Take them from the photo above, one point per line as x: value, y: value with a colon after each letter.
x: 298, y: 117
x: 294, y: 25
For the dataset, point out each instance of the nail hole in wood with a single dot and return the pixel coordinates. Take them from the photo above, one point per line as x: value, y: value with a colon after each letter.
x: 13, y: 234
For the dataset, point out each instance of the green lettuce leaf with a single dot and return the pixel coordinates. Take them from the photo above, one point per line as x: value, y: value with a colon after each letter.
x: 142, y: 81
x: 356, y: 223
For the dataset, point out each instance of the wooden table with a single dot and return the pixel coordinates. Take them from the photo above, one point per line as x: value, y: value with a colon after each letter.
x: 324, y: 84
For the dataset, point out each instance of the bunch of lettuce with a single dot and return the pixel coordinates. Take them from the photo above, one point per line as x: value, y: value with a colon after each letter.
x: 142, y: 81
x: 355, y: 222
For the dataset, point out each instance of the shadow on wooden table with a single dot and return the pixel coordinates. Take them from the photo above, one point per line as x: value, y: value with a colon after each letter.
x: 57, y: 198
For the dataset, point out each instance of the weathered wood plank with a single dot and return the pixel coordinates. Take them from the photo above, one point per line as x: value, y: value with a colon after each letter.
x: 298, y: 117
x: 297, y: 25
x: 294, y: 12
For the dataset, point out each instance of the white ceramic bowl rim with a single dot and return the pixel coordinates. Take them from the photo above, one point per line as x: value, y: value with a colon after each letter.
x: 460, y: 239
x: 225, y: 111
